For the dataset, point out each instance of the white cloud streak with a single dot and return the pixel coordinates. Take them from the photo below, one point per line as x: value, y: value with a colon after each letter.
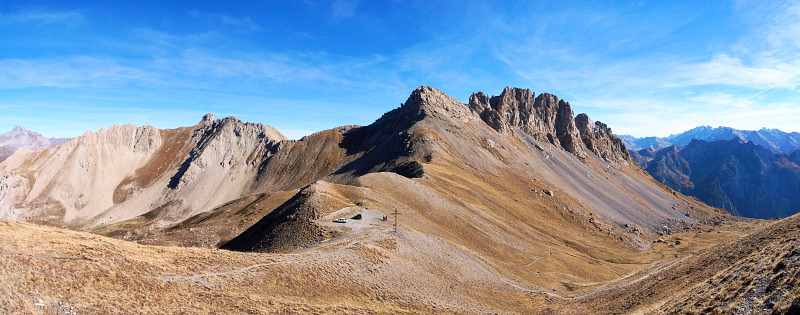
x: 69, y: 18
x: 735, y: 86
x: 70, y: 72
x: 650, y: 94
x: 240, y: 22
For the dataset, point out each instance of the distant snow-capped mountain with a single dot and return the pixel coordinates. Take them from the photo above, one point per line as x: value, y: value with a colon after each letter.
x: 772, y: 139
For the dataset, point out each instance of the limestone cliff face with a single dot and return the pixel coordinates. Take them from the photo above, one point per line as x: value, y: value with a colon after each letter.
x: 548, y: 119
x: 78, y: 178
x: 220, y: 164
x: 123, y: 171
x: 223, y: 145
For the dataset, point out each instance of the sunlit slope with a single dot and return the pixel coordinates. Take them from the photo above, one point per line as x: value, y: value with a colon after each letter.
x: 756, y: 273
x: 531, y: 211
x: 46, y: 269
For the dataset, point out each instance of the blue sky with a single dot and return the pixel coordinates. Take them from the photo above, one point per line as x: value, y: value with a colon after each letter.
x: 644, y: 68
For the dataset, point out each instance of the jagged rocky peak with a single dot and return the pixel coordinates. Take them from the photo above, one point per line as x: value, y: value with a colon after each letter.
x: 426, y: 100
x: 600, y: 140
x: 208, y: 119
x: 239, y: 128
x: 547, y: 118
x: 544, y: 117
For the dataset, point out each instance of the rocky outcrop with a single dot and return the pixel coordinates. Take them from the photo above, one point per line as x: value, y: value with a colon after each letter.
x: 221, y: 144
x: 12, y: 189
x: 599, y: 139
x: 548, y: 119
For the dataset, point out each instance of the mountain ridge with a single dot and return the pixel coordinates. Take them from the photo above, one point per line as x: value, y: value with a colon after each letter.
x: 501, y: 199
x: 515, y: 185
x: 773, y: 139
x: 741, y: 177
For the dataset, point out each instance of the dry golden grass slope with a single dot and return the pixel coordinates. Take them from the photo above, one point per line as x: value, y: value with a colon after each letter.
x: 508, y: 204
x: 46, y: 269
x: 754, y: 274
x: 531, y: 212
x: 50, y: 270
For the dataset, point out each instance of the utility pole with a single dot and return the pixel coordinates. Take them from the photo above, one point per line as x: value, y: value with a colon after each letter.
x: 395, y: 213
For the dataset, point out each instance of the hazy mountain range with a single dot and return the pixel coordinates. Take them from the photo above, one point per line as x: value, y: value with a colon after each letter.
x: 22, y: 138
x: 771, y: 139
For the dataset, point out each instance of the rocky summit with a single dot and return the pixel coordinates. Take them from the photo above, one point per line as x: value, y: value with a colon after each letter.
x: 507, y: 203
x: 547, y: 119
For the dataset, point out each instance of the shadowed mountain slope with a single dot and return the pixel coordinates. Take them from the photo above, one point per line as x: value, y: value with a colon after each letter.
x: 741, y: 177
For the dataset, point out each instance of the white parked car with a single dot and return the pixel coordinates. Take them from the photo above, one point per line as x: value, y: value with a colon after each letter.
x: 340, y: 220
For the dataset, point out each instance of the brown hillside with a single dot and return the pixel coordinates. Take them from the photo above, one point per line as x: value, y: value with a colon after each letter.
x: 757, y: 273
x: 507, y: 204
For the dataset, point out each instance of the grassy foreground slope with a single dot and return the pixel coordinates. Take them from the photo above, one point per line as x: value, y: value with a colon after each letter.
x: 756, y: 273
x: 51, y: 270
x: 45, y: 269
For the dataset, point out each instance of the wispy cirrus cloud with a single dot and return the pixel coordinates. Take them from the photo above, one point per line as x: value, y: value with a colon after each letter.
x: 69, y: 18
x: 342, y: 9
x: 67, y: 72
x: 241, y: 22
x: 643, y: 73
x: 724, y: 69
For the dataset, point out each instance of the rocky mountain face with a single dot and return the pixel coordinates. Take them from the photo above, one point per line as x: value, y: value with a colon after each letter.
x: 121, y: 172
x: 548, y: 119
x: 22, y: 138
x: 514, y: 166
x: 741, y: 177
x: 771, y: 139
x: 498, y: 201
